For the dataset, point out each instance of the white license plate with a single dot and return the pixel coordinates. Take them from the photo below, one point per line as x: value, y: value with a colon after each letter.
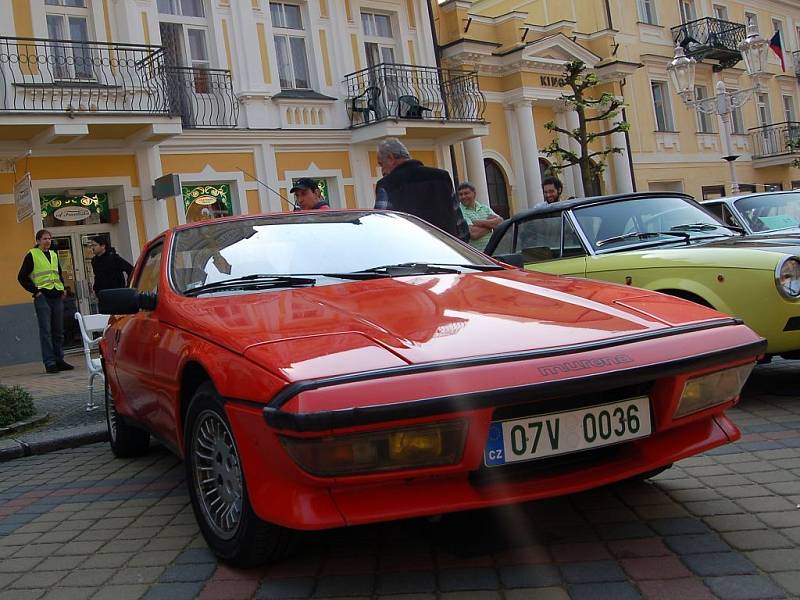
x: 541, y: 436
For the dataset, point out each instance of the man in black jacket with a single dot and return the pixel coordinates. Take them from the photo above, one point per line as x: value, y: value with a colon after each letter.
x: 409, y: 186
x: 110, y: 269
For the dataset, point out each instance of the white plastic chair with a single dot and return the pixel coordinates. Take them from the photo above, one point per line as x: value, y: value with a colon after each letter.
x: 88, y: 325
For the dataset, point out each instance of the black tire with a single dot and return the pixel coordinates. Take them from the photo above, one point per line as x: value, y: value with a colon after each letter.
x: 237, y: 536
x: 126, y: 441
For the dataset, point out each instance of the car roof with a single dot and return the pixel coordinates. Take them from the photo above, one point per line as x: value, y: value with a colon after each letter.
x: 562, y: 205
x: 750, y: 195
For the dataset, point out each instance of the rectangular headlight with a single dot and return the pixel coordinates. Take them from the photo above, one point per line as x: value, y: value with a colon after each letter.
x: 429, y: 445
x: 709, y: 390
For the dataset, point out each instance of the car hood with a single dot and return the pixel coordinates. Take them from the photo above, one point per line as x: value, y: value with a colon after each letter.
x: 783, y: 242
x: 356, y: 326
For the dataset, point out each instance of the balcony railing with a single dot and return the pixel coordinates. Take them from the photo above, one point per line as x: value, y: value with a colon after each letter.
x: 202, y: 97
x: 778, y: 139
x: 61, y: 76
x: 711, y: 38
x: 393, y: 91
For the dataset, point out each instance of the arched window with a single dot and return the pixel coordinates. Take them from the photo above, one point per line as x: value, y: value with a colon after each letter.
x: 498, y: 191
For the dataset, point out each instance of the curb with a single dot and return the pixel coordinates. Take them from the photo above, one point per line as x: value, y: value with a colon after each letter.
x: 48, y: 441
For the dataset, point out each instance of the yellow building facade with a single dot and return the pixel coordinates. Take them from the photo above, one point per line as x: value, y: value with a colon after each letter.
x: 518, y: 46
x: 238, y: 98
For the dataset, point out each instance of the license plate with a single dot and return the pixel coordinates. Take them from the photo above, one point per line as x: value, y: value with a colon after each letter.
x: 547, y: 435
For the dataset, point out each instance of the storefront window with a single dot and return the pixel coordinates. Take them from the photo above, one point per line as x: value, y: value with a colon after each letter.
x: 207, y: 201
x: 89, y: 209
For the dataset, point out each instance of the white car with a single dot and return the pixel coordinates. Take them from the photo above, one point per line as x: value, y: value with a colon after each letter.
x: 767, y: 213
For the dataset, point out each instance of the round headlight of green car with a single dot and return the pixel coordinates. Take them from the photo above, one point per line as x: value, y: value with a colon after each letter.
x: 787, y: 277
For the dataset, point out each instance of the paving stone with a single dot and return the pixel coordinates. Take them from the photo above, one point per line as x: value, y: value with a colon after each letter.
x: 138, y: 575
x: 756, y: 540
x: 174, y: 591
x: 87, y: 577
x: 592, y: 572
x: 347, y: 585
x: 289, y: 587
x: 659, y: 567
x: 789, y: 580
x: 39, y: 579
x: 196, y: 555
x: 713, y: 507
x: 765, y: 504
x: 406, y: 583
x: 717, y: 564
x: 529, y: 576
x: 451, y: 580
x: 151, y: 559
x: 678, y: 526
x: 744, y: 587
x: 121, y: 592
x: 672, y: 589
x: 777, y: 476
x: 641, y: 548
x: 696, y: 544
x: 551, y: 593
x: 70, y: 593
x: 776, y: 560
x: 467, y: 596
x: 188, y: 572
x: 19, y: 565
x: 734, y: 522
x: 744, y: 491
x: 603, y: 591
x: 780, y: 520
x: 624, y: 531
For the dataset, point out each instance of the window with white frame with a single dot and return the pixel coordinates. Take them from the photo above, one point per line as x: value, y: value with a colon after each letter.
x: 661, y: 106
x: 721, y: 12
x: 379, y: 42
x: 290, y: 45
x: 68, y: 31
x: 762, y: 108
x: 687, y: 10
x: 788, y: 108
x: 647, y: 12
x: 185, y: 37
x: 750, y: 18
x: 704, y: 120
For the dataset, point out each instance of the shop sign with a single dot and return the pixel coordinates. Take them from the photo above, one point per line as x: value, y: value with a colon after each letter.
x: 552, y: 81
x: 207, y: 201
x: 23, y: 198
x: 72, y: 213
x: 91, y: 208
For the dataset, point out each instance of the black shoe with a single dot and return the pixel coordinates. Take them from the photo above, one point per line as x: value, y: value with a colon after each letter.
x: 64, y: 366
x: 52, y: 369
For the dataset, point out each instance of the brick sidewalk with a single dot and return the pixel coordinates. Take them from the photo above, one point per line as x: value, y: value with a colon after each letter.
x: 81, y: 524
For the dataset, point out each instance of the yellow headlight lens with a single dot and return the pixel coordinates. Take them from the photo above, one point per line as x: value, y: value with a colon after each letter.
x: 430, y: 445
x: 709, y: 390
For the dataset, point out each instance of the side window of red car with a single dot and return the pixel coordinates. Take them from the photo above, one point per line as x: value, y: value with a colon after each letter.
x: 150, y: 271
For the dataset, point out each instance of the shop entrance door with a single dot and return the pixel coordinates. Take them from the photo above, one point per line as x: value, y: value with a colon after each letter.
x: 75, y: 257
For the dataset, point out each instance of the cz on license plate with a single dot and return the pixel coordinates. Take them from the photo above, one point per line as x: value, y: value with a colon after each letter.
x: 541, y: 436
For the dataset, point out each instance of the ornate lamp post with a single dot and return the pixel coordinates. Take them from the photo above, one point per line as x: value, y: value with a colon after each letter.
x: 681, y: 71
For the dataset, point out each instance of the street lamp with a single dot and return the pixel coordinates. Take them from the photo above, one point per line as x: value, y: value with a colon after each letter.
x: 681, y: 71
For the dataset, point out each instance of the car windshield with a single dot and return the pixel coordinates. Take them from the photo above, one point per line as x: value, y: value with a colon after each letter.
x: 770, y: 212
x: 646, y: 221
x: 318, y: 248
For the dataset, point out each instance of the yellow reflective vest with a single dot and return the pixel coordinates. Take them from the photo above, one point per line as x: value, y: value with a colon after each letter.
x: 45, y: 270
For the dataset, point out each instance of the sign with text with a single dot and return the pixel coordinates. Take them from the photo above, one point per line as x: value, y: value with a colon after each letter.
x: 23, y: 198
x: 553, y: 81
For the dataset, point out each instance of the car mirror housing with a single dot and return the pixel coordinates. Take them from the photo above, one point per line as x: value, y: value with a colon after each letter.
x: 125, y: 301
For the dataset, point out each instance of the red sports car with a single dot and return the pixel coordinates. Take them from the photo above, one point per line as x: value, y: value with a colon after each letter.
x: 333, y: 368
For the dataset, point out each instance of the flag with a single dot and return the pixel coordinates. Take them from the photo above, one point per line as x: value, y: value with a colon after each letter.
x: 777, y: 48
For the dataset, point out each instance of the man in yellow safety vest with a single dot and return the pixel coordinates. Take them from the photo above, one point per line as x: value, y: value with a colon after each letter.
x: 40, y: 274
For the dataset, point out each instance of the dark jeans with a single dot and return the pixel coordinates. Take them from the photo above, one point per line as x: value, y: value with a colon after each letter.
x: 50, y: 313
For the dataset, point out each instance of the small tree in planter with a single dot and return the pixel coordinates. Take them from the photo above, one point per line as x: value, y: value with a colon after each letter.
x: 590, y: 110
x: 16, y: 404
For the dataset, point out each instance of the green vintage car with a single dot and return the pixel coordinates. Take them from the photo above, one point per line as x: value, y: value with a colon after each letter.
x: 668, y: 243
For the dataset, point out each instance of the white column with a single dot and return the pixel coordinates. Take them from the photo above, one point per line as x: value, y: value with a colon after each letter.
x: 572, y: 124
x: 568, y: 173
x: 148, y: 164
x: 623, y: 181
x: 363, y: 178
x: 518, y: 186
x: 476, y: 173
x: 530, y: 153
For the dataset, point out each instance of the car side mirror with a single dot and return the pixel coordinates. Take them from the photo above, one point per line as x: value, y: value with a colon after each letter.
x: 124, y: 301
x: 515, y: 260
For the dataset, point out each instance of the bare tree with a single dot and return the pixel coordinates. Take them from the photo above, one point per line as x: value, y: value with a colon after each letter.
x: 590, y: 110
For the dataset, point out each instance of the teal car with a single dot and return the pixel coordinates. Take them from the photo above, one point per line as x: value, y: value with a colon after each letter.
x: 668, y: 243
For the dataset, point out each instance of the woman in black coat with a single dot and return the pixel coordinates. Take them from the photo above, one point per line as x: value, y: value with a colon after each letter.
x: 110, y: 269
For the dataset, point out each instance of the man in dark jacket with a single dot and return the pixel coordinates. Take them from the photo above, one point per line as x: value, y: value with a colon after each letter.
x: 110, y: 269
x: 409, y: 186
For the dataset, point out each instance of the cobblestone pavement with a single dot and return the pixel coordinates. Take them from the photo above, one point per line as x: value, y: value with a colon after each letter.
x: 81, y: 524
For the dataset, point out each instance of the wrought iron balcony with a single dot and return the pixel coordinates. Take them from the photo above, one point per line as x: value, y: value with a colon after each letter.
x: 710, y: 38
x: 204, y: 98
x: 61, y: 76
x: 394, y: 91
x: 778, y: 139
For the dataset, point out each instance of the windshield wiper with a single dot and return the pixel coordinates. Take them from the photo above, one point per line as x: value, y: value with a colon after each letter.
x: 255, y: 281
x: 698, y: 227
x: 642, y: 235
x: 412, y: 268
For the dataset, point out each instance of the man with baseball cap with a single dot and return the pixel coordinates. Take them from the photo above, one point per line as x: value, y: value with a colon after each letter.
x: 307, y: 194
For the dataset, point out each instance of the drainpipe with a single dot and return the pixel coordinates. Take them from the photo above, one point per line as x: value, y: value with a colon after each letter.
x: 609, y: 20
x: 437, y: 54
x: 627, y: 135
